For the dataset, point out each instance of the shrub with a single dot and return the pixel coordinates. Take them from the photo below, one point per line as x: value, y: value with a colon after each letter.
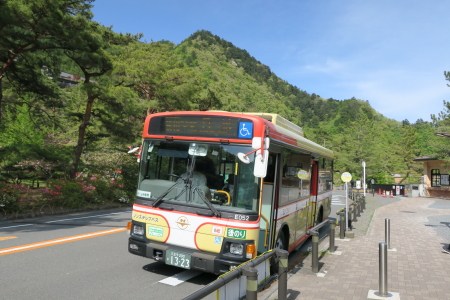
x: 10, y: 197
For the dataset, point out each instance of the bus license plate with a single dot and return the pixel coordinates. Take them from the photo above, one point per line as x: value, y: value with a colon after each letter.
x: 178, y: 259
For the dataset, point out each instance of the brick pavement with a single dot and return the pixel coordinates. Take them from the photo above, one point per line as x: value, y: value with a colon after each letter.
x: 419, y: 269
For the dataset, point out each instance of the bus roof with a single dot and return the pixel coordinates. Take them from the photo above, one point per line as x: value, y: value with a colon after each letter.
x: 287, y: 128
x: 280, y: 121
x: 280, y: 129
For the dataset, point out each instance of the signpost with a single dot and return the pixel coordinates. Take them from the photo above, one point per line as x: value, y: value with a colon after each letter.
x: 346, y: 177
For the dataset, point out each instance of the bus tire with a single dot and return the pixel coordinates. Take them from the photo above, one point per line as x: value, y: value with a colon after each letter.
x: 280, y: 243
x: 320, y: 216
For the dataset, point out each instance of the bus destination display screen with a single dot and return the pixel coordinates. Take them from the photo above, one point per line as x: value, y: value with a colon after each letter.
x: 202, y: 126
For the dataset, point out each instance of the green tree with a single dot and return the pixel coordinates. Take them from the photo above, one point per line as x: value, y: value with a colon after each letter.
x: 162, y: 78
x: 406, y: 151
x: 32, y: 33
x: 94, y: 57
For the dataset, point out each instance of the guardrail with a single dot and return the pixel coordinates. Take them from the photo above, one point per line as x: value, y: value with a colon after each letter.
x: 247, y: 269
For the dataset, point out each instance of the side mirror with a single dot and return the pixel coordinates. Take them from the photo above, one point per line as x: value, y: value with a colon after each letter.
x: 256, y: 143
x: 261, y: 161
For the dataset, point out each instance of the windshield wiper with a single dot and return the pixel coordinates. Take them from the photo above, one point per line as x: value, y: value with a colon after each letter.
x: 203, y: 197
x: 185, y: 180
x: 160, y: 198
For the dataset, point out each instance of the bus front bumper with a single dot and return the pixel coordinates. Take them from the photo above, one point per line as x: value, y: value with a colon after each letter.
x: 206, y: 262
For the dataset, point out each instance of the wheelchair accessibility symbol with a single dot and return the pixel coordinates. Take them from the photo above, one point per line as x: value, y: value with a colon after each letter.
x: 245, y: 130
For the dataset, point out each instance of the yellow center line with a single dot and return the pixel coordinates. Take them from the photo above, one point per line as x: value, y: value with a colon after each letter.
x: 59, y: 241
x: 3, y: 238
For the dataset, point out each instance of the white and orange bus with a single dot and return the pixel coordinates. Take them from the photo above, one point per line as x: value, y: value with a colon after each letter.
x: 216, y: 188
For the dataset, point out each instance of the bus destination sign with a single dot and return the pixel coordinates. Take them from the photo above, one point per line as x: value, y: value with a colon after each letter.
x: 201, y: 126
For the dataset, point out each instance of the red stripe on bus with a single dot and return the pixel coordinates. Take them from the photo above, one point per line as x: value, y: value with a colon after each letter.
x: 191, y: 214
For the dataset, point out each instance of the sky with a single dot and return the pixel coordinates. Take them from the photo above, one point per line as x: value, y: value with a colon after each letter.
x: 391, y: 53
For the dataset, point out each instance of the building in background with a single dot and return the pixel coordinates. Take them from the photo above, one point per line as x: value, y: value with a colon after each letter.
x: 435, y: 175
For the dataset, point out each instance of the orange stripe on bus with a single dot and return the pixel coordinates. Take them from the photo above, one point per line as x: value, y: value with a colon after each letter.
x: 58, y: 241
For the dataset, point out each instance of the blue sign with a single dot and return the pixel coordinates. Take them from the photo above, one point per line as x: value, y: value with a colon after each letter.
x: 217, y: 240
x: 245, y: 130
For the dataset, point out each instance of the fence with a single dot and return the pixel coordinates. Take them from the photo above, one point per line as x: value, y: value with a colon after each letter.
x: 230, y: 286
x: 248, y: 269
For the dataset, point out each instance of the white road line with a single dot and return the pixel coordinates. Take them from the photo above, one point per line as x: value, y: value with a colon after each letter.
x: 16, y: 226
x: 180, y: 277
x: 87, y: 217
x: 337, y: 200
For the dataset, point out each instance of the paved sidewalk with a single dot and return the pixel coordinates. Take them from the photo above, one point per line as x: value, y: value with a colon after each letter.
x: 419, y: 269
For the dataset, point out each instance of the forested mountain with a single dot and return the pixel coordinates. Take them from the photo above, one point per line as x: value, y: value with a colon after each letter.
x: 351, y: 127
x: 47, y: 131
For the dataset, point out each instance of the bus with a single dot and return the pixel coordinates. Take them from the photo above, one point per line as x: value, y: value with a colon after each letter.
x: 216, y: 189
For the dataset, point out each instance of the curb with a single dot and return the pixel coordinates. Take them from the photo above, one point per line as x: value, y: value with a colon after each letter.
x: 61, y: 212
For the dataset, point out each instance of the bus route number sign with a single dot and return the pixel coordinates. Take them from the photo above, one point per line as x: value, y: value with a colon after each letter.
x: 346, y: 177
x: 236, y: 233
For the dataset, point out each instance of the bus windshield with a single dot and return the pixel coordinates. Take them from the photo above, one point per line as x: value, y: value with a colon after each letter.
x: 196, y: 173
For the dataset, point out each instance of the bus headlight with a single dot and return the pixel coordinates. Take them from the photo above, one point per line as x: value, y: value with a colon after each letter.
x: 138, y: 230
x: 237, y: 249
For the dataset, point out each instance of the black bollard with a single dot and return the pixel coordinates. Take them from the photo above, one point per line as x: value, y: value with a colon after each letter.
x: 252, y: 283
x: 282, y: 273
x: 342, y: 225
x: 332, y: 233
x: 315, y: 251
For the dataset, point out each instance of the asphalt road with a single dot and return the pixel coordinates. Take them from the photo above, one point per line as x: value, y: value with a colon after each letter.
x: 84, y: 256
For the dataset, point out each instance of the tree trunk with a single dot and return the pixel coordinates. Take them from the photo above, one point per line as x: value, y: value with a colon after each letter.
x: 81, y: 134
x: 1, y: 98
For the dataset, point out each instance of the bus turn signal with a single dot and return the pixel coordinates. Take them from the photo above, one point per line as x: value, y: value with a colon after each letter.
x: 250, y: 251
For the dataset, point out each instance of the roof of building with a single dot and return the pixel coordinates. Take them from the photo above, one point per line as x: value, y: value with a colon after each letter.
x: 443, y: 134
x: 424, y: 158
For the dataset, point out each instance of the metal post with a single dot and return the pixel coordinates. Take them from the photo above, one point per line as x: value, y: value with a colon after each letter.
x: 346, y: 205
x: 387, y: 233
x: 282, y: 273
x: 364, y: 176
x: 252, y: 283
x: 350, y: 220
x: 382, y: 276
x: 342, y: 225
x: 355, y: 212
x: 315, y: 251
x: 332, y: 233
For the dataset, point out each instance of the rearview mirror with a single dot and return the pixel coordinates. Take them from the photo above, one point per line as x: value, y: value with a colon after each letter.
x: 198, y: 149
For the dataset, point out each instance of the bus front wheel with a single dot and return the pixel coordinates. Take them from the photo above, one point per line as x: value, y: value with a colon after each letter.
x: 281, y: 244
x: 281, y: 241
